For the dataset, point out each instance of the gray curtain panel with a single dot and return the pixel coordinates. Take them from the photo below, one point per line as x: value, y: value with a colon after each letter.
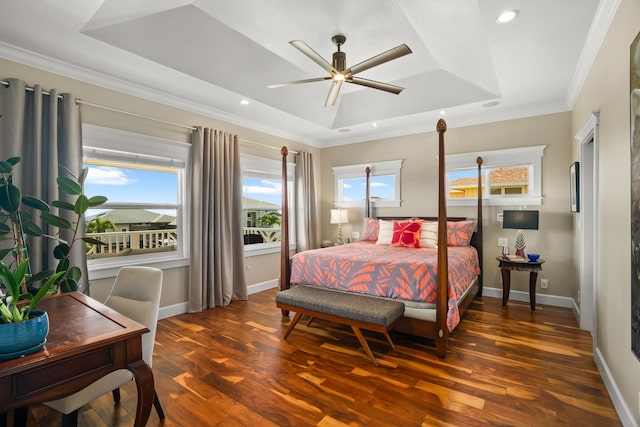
x: 45, y: 132
x: 307, y: 234
x: 216, y: 272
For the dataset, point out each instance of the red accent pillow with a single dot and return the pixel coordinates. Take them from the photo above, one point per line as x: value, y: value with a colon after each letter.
x: 459, y: 232
x: 370, y: 229
x: 406, y: 234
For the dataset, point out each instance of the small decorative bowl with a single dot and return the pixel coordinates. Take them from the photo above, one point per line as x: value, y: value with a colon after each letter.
x: 533, y: 257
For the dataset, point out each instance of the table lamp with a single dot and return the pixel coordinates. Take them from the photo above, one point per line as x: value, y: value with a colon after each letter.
x: 520, y: 220
x: 339, y: 216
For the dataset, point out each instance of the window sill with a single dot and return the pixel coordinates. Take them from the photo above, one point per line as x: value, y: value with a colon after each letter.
x: 109, y: 268
x: 265, y: 249
x: 374, y: 204
x: 511, y: 201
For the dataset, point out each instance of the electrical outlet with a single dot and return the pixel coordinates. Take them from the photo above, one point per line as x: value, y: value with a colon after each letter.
x: 503, y: 241
x: 355, y: 235
x: 544, y: 284
x: 499, y: 217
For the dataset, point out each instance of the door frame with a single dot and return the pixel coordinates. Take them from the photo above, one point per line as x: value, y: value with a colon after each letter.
x: 588, y: 234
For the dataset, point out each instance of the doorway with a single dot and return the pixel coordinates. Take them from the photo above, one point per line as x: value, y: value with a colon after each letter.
x: 588, y: 225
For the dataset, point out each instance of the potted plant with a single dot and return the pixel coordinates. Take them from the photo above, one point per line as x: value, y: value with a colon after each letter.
x: 22, y: 287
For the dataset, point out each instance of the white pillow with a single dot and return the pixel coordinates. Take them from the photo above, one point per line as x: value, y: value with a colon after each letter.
x: 385, y: 232
x: 429, y: 235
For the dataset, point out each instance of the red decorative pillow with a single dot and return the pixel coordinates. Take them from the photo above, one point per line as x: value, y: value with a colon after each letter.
x: 370, y: 229
x: 406, y: 234
x: 459, y: 232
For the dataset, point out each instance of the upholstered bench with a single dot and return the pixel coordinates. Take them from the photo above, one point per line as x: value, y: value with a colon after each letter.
x: 356, y: 310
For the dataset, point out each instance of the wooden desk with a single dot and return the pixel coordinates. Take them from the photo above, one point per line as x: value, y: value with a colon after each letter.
x: 506, y: 265
x: 86, y: 341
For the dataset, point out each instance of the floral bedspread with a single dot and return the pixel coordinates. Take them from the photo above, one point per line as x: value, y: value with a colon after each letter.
x: 387, y: 271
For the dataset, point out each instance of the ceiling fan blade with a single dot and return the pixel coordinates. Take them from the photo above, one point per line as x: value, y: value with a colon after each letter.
x: 295, y: 82
x: 387, y: 56
x: 376, y: 85
x: 315, y: 56
x: 333, y: 93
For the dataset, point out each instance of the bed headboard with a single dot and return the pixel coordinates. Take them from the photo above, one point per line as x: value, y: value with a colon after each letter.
x: 476, y: 238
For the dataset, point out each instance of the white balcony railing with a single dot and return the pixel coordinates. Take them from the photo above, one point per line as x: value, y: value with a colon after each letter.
x: 121, y: 243
x: 268, y: 234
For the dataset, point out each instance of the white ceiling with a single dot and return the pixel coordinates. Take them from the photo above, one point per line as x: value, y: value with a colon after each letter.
x: 207, y: 55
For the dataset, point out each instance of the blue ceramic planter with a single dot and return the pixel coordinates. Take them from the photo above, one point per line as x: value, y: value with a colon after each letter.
x: 19, y: 339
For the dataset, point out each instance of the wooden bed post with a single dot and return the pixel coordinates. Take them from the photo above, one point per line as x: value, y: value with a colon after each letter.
x: 367, y: 199
x: 285, y: 268
x: 479, y: 226
x: 442, y: 331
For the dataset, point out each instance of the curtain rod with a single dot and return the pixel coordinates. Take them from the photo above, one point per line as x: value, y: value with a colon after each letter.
x: 192, y: 128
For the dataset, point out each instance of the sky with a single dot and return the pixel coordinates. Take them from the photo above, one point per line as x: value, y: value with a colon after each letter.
x: 380, y: 186
x: 131, y: 185
x: 120, y: 184
x: 267, y: 190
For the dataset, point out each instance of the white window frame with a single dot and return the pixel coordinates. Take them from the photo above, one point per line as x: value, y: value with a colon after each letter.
x: 510, y: 157
x: 257, y: 166
x: 112, y: 144
x: 391, y: 167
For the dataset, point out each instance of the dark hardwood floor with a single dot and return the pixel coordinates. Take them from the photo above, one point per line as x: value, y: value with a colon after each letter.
x: 230, y: 367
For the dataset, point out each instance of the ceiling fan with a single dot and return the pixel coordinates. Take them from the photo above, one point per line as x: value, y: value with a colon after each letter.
x: 339, y: 73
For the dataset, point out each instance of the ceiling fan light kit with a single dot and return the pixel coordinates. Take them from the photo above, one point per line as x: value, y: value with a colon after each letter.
x: 339, y: 73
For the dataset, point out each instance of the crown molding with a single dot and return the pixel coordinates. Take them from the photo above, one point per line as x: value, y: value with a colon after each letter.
x: 97, y: 78
x: 598, y: 31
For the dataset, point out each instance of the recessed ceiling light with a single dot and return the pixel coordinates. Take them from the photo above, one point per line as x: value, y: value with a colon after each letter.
x: 491, y: 104
x: 374, y: 124
x: 244, y: 102
x: 507, y: 16
x: 443, y: 112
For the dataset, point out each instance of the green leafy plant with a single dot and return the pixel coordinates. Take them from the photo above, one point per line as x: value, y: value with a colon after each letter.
x: 10, y: 310
x: 99, y: 225
x: 270, y: 219
x: 16, y: 223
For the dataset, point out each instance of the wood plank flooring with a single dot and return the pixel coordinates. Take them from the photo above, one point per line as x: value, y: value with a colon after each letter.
x: 231, y: 367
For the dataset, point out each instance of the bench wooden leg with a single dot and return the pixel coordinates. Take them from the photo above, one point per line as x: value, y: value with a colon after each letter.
x: 309, y: 321
x: 295, y: 320
x: 386, y: 335
x: 364, y: 344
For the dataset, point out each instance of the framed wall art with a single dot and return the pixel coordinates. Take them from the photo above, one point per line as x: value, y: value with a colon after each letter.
x: 634, y: 104
x: 574, y: 176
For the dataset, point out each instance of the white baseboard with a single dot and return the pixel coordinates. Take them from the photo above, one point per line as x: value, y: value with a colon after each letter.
x: 259, y: 287
x: 623, y: 410
x: 181, y: 308
x: 546, y: 299
x: 173, y: 310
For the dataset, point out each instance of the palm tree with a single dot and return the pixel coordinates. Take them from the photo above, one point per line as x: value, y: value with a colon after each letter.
x: 270, y: 219
x: 98, y: 225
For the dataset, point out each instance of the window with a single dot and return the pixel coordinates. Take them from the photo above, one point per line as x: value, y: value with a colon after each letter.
x: 144, y: 219
x: 262, y: 204
x: 509, y: 177
x: 384, y: 184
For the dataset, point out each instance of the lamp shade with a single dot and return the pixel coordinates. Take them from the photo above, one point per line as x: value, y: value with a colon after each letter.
x: 520, y: 220
x: 339, y: 216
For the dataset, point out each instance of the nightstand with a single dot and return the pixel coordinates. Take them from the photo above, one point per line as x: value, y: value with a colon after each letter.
x: 506, y: 265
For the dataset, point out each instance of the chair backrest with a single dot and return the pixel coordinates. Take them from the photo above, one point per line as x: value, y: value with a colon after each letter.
x: 136, y: 294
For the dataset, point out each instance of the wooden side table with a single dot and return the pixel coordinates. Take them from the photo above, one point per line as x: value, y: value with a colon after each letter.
x: 506, y: 265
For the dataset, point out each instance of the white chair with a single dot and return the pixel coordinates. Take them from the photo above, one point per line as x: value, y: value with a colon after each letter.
x: 136, y: 294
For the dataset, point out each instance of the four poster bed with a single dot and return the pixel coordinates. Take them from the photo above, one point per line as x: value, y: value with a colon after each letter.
x: 405, y: 270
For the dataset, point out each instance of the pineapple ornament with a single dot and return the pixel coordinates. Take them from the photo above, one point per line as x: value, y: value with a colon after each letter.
x: 520, y: 243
